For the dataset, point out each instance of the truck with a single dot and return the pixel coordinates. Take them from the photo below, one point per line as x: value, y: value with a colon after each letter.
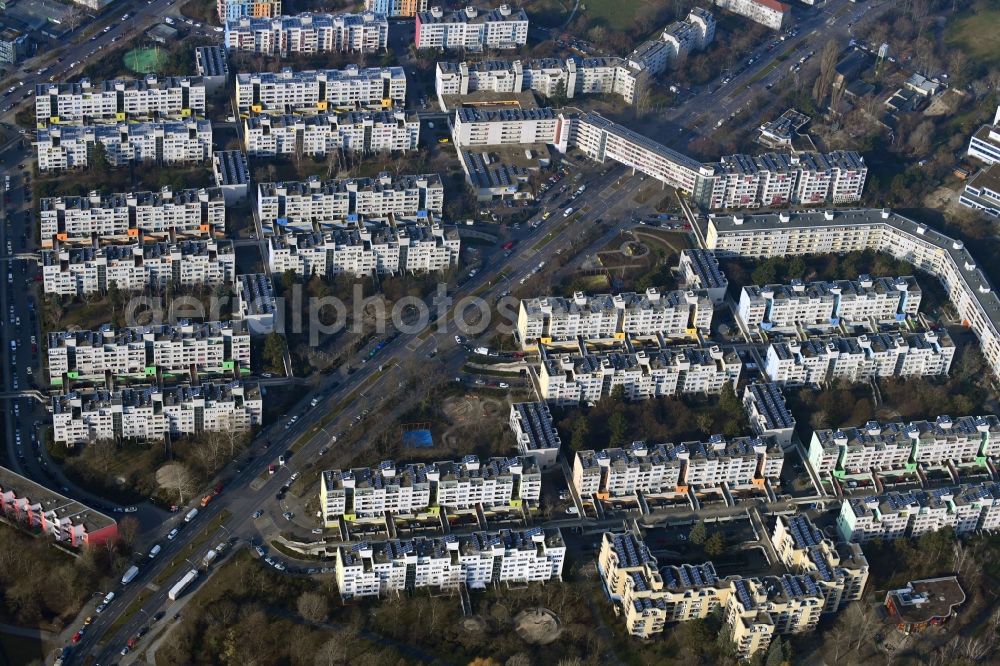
x: 130, y: 575
x: 181, y: 585
x: 205, y: 500
x: 209, y: 558
x: 484, y: 351
x: 190, y: 515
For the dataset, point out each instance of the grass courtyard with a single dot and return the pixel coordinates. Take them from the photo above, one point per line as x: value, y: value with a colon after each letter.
x: 976, y: 34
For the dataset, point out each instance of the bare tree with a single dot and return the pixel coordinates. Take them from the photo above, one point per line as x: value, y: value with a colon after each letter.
x: 128, y: 531
x: 312, y: 606
x: 175, y: 476
x: 827, y: 70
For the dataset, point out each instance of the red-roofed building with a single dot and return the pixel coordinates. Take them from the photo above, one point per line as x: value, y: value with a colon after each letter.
x: 771, y: 13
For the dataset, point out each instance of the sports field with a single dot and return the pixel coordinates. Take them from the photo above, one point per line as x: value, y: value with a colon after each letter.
x: 145, y: 61
x: 977, y: 35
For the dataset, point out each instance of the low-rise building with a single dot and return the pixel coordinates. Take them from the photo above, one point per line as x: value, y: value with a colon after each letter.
x: 137, y: 266
x: 982, y: 192
x: 475, y: 560
x: 767, y: 412
x: 985, y: 142
x: 309, y: 33
x: 471, y: 29
x: 895, y: 515
x: 256, y: 302
x: 924, y: 603
x: 317, y: 135
x: 72, y: 146
x: 194, y: 350
x: 321, y: 90
x: 551, y: 320
x: 124, y: 217
x: 903, y: 446
x: 535, y: 432
x: 741, y: 462
x: 424, y: 489
x: 32, y: 505
x: 212, y: 65
x: 233, y: 10
x: 232, y: 174
x: 572, y: 379
x: 14, y: 44
x: 829, y: 304
x: 303, y: 205
x: 150, y: 414
x: 117, y: 100
x: 782, y: 131
x: 701, y: 272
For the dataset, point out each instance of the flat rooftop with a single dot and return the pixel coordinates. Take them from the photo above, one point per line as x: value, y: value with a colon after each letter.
x: 51, y: 501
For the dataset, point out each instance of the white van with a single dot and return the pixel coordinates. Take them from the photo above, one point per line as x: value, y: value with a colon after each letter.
x: 154, y: 551
x: 567, y: 212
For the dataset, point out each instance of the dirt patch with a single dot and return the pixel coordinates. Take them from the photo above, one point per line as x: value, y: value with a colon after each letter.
x: 470, y: 410
x: 537, y: 626
x: 944, y: 199
x: 473, y: 625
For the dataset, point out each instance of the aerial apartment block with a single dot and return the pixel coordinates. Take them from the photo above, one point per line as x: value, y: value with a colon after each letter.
x: 982, y: 192
x: 188, y: 349
x: 572, y: 379
x: 123, y: 217
x: 768, y: 413
x: 602, y: 317
x: 894, y: 515
x: 817, y: 361
x: 754, y: 609
x: 769, y: 13
x: 476, y: 560
x: 741, y: 462
x: 841, y: 568
x: 985, y: 143
x: 150, y: 414
x: 829, y: 304
x: 309, y: 33
x: 388, y: 246
x: 24, y: 502
x: 212, y: 65
x: 797, y: 233
x: 233, y: 10
x: 71, y: 146
x: 471, y: 29
x: 888, y: 447
x: 551, y: 77
x: 535, y: 432
x: 317, y: 135
x: 396, y: 8
x: 117, y: 100
x: 256, y: 303
x: 424, y: 489
x: 782, y: 179
x: 700, y: 271
x: 318, y: 91
x: 475, y: 126
x: 86, y: 270
x: 303, y: 205
x: 675, y: 43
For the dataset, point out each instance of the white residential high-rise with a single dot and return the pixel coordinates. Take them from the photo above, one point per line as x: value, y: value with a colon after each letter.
x: 572, y: 379
x: 767, y: 412
x: 475, y: 560
x: 535, y: 432
x: 770, y: 13
x: 552, y: 319
x: 149, y: 414
x: 700, y: 269
x: 424, y: 489
x: 304, y: 204
x: 309, y: 33
x: 820, y: 360
x: 322, y: 90
x: 119, y: 100
x: 471, y: 29
x: 193, y: 349
x: 903, y: 446
x: 134, y: 267
x: 72, y: 146
x: 320, y: 134
x: 123, y: 217
x: 741, y: 462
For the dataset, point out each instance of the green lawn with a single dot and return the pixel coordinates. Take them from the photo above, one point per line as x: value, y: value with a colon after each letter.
x: 618, y: 14
x: 976, y: 34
